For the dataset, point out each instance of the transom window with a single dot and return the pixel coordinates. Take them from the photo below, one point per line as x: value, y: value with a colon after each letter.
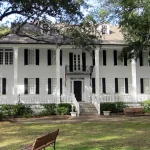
x: 31, y: 57
x: 6, y: 57
x: 32, y: 86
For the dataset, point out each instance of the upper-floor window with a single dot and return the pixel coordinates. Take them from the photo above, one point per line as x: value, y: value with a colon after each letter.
x: 144, y: 59
x: 31, y: 57
x: 6, y: 57
x: 102, y: 58
x: 118, y: 61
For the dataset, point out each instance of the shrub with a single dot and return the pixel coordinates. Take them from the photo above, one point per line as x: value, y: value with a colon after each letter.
x: 120, y: 106
x: 114, y: 107
x: 1, y: 115
x: 64, y: 109
x: 16, y: 110
x: 146, y: 106
x: 49, y: 109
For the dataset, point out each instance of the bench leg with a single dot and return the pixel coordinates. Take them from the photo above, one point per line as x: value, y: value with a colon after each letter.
x: 54, y: 146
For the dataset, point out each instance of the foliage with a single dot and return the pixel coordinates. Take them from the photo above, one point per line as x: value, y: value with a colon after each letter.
x: 146, y: 106
x: 114, y: 107
x: 49, y: 109
x: 134, y: 20
x: 16, y: 110
x: 63, y: 109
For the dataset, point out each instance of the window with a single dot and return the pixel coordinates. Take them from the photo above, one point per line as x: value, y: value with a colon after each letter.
x: 53, y: 85
x: 102, y: 84
x: 117, y: 60
x: 31, y: 86
x: 6, y: 56
x: 144, y: 83
x: 31, y: 57
x: 145, y: 59
x: 2, y: 86
x: 121, y: 85
x: 53, y: 57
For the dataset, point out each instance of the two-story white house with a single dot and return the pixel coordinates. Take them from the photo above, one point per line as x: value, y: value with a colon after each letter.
x: 35, y: 72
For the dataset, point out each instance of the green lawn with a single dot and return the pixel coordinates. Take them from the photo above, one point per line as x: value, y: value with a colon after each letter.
x: 132, y: 133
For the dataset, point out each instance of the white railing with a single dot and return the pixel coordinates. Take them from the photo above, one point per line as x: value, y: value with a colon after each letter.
x: 38, y: 99
x: 115, y: 98
x: 11, y: 100
x: 66, y: 99
x: 76, y: 104
x: 142, y: 97
x: 96, y: 103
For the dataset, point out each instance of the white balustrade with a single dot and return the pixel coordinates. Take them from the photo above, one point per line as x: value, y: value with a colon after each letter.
x: 96, y: 103
x: 66, y: 99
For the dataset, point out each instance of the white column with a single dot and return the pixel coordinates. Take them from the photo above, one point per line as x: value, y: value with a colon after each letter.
x: 15, y: 70
x: 134, y: 80
x: 58, y: 72
x: 97, y: 74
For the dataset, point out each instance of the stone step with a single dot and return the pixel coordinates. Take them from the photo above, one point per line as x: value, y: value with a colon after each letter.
x: 88, y: 114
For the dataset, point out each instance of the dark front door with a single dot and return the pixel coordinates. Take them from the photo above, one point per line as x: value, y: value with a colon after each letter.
x: 78, y: 90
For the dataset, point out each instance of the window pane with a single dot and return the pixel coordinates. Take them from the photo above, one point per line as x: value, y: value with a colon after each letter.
x: 120, y: 63
x: 1, y: 57
x: 146, y: 86
x: 53, y: 57
x: 121, y: 86
x: 53, y: 85
x: 31, y: 56
x: 145, y: 58
x: 31, y: 85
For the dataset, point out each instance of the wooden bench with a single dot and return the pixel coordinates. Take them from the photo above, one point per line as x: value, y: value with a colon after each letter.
x: 133, y: 110
x: 43, y: 142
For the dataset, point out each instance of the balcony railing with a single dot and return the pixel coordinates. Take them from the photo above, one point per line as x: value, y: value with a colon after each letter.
x: 77, y: 69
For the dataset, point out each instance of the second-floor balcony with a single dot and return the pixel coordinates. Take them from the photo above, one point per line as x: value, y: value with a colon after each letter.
x: 77, y: 69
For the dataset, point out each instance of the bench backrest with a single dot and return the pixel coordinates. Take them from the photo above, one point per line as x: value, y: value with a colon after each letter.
x: 45, y: 140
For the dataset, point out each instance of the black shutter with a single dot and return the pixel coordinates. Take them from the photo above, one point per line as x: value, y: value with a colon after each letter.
x: 25, y: 85
x: 60, y: 86
x: 49, y: 86
x: 126, y: 85
x: 37, y: 56
x: 104, y: 85
x: 125, y: 59
x: 25, y: 56
x: 4, y: 86
x: 49, y: 57
x: 71, y: 61
x: 93, y: 56
x: 116, y: 85
x: 115, y: 57
x: 37, y: 85
x: 84, y: 61
x: 93, y: 85
x: 104, y: 57
x: 142, y: 85
x: 60, y: 57
x: 141, y: 59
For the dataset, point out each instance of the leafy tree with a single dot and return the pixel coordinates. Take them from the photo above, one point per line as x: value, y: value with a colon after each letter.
x: 134, y: 21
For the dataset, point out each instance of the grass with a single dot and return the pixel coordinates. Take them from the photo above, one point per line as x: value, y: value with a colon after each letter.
x: 132, y: 133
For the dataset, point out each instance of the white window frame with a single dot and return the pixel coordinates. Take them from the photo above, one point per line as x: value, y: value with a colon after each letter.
x: 53, y: 57
x: 31, y: 85
x: 122, y: 89
x: 119, y: 62
x: 146, y: 85
x: 6, y: 56
x: 53, y: 85
x: 31, y: 57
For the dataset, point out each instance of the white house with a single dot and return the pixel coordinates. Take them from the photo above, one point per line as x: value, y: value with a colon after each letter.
x: 35, y: 72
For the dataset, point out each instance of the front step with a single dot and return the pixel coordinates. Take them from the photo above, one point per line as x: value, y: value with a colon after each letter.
x: 87, y: 109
